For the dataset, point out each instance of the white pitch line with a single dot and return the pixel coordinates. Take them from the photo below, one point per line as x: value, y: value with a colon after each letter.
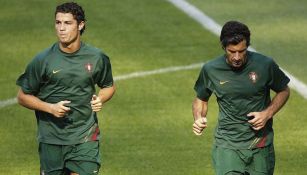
x: 215, y: 28
x: 8, y: 102
x: 12, y: 101
x: 158, y: 71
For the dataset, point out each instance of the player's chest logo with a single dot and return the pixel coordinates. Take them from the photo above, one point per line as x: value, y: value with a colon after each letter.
x: 253, y: 77
x: 88, y: 67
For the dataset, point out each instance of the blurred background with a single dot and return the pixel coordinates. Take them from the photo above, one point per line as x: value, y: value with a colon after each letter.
x: 147, y: 126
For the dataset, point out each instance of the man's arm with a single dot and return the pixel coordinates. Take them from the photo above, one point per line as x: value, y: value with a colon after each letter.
x: 32, y: 102
x: 104, y: 95
x: 199, y: 109
x: 260, y: 118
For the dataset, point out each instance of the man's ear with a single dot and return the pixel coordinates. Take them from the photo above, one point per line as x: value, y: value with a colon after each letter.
x: 222, y: 46
x: 81, y: 25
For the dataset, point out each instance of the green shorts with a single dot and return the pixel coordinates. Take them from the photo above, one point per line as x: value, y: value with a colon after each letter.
x: 259, y: 161
x: 83, y: 158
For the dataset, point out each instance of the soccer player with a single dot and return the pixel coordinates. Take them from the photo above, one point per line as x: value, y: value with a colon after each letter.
x: 241, y: 81
x: 59, y: 84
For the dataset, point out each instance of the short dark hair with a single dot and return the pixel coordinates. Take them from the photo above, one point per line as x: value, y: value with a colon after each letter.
x: 233, y: 32
x: 73, y: 8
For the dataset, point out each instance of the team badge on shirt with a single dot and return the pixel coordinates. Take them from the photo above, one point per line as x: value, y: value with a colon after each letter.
x: 89, y: 67
x: 253, y: 76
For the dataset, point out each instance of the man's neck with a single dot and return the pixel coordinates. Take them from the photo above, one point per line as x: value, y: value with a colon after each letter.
x: 70, y: 47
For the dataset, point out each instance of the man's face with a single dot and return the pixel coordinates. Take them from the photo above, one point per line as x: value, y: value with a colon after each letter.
x: 236, y: 54
x: 67, y: 28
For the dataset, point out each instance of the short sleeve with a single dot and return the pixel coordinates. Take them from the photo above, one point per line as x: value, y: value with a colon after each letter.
x: 279, y: 79
x: 202, y: 86
x: 31, y: 79
x: 104, y: 76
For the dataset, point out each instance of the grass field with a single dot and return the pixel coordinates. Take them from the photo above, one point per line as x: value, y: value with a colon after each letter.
x: 147, y: 125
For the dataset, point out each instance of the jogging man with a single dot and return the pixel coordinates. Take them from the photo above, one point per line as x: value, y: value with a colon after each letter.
x: 241, y: 81
x: 59, y: 84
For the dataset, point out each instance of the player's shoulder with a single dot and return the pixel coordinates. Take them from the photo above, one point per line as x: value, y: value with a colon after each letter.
x: 92, y: 50
x: 260, y: 58
x: 218, y: 62
x: 44, y: 54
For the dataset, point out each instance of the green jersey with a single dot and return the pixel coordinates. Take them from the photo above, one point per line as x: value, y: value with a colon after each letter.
x: 239, y: 92
x: 54, y: 76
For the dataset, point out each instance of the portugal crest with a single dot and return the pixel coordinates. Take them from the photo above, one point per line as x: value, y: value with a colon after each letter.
x: 253, y: 76
x: 89, y: 67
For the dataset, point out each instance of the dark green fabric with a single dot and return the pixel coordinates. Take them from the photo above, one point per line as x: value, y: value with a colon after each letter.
x: 259, y: 161
x: 83, y: 158
x: 239, y: 92
x: 55, y: 76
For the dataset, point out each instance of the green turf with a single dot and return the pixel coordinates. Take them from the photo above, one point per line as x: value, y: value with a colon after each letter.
x: 146, y: 127
x: 278, y: 27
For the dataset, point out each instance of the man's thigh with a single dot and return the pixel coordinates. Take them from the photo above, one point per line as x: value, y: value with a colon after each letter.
x: 254, y: 162
x: 227, y: 161
x: 51, y: 159
x: 263, y: 161
x: 84, y: 158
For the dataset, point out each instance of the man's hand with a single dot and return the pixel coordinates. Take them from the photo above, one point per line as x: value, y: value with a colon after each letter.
x: 258, y: 119
x: 199, y: 125
x: 59, y: 109
x: 96, y: 103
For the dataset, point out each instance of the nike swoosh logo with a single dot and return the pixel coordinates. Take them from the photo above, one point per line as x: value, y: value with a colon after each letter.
x: 223, y: 82
x: 56, y: 71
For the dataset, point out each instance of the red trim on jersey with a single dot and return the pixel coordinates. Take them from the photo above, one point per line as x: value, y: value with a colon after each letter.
x: 95, y: 134
x: 261, y: 143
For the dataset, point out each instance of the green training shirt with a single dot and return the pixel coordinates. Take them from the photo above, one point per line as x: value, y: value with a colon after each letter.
x: 54, y: 76
x: 239, y: 92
